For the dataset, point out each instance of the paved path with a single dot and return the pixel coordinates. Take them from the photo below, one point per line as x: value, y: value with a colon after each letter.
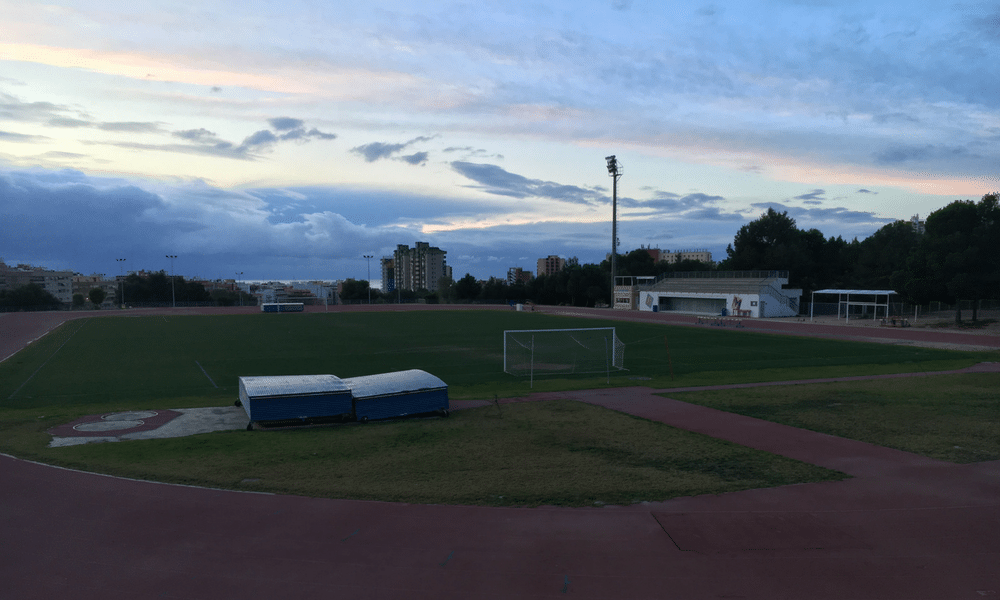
x: 904, y: 527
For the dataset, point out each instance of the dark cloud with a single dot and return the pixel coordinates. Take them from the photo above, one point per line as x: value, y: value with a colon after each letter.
x: 262, y: 138
x: 201, y: 134
x: 697, y: 205
x: 376, y: 150
x: 415, y: 159
x: 60, y: 214
x: 495, y: 180
x: 864, y: 191
x: 839, y: 214
x: 216, y: 89
x: 285, y: 123
x: 381, y: 150
x: 812, y: 196
x: 130, y: 126
x: 68, y: 122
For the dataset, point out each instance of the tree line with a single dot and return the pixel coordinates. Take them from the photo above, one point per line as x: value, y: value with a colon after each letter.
x: 955, y: 258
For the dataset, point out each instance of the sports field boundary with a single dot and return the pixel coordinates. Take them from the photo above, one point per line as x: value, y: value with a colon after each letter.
x: 904, y: 527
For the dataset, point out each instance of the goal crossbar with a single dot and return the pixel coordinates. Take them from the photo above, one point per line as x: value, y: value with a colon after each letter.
x: 562, y: 351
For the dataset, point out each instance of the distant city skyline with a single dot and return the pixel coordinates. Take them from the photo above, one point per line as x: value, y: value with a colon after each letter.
x: 287, y: 141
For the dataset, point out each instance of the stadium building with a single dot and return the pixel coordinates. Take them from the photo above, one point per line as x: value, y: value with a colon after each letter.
x: 711, y: 293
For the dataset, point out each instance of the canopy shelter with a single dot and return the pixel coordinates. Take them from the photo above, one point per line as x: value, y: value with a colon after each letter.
x: 863, y: 298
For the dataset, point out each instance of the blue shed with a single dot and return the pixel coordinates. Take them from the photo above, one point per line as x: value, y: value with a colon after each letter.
x: 398, y: 394
x: 294, y: 397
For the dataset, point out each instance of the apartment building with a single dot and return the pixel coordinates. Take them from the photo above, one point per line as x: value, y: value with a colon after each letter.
x: 549, y: 265
x: 420, y: 267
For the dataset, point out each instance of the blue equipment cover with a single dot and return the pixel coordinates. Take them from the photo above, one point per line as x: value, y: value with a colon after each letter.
x: 282, y: 397
x: 397, y: 394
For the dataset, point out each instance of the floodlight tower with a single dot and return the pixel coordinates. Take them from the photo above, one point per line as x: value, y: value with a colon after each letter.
x: 369, y: 257
x: 239, y: 289
x: 614, y: 170
x: 173, y: 296
x: 121, y: 268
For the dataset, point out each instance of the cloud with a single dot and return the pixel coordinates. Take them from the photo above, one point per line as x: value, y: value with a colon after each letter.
x: 68, y: 122
x: 903, y: 153
x: 52, y: 217
x: 495, y: 180
x: 10, y: 136
x: 813, y: 196
x: 415, y: 159
x: 13, y: 109
x: 285, y: 123
x: 381, y: 150
x: 864, y: 191
x: 813, y: 216
x: 203, y: 141
x: 130, y: 127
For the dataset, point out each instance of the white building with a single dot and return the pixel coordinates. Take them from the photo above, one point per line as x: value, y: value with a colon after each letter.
x: 732, y: 293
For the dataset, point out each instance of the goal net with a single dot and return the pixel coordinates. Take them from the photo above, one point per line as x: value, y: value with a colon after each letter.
x: 562, y: 351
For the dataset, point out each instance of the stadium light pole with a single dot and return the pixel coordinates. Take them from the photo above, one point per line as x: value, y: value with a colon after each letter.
x: 121, y: 268
x: 614, y: 170
x: 239, y: 291
x: 173, y: 295
x: 369, y: 257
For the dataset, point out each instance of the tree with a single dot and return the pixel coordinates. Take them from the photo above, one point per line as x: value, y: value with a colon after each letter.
x: 873, y: 261
x: 96, y: 296
x: 78, y: 300
x: 467, y: 288
x: 31, y: 297
x: 354, y: 289
x: 773, y: 242
x: 961, y: 252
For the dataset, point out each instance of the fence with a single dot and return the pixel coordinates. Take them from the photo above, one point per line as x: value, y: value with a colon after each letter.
x: 985, y: 309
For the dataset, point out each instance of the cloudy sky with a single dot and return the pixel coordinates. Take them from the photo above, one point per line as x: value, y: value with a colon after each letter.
x: 286, y: 140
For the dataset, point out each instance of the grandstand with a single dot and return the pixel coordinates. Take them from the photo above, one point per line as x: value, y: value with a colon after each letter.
x: 730, y: 293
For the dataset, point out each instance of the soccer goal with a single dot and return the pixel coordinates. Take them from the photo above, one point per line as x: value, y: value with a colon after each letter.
x: 562, y: 351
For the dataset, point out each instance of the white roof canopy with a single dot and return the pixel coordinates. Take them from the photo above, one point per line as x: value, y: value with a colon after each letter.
x: 844, y: 301
x: 857, y: 292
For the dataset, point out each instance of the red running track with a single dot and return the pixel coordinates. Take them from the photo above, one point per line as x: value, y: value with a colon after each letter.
x: 904, y: 527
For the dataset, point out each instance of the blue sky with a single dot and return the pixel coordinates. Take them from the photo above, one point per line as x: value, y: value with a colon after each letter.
x: 286, y: 140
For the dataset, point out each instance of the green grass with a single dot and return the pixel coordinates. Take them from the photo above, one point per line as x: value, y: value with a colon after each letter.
x: 949, y: 417
x: 144, y: 362
x: 553, y: 453
x: 106, y: 364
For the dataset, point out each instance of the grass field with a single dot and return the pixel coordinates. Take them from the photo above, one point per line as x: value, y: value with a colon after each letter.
x: 948, y: 417
x: 106, y: 364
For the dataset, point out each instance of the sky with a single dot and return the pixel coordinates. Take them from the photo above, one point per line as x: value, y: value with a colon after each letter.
x: 268, y: 140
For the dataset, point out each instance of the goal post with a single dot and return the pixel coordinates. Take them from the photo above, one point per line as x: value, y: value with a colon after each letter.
x: 562, y: 351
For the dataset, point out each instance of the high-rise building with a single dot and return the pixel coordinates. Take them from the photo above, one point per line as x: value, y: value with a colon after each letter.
x: 422, y: 266
x: 57, y: 283
x: 388, y: 274
x: 517, y: 275
x: 549, y: 265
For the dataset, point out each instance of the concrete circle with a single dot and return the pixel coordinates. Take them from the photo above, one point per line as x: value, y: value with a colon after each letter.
x: 108, y: 425
x: 130, y: 416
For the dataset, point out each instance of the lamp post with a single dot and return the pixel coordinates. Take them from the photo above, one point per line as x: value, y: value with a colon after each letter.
x: 239, y: 290
x: 121, y: 269
x: 614, y: 170
x: 369, y: 257
x: 173, y: 295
